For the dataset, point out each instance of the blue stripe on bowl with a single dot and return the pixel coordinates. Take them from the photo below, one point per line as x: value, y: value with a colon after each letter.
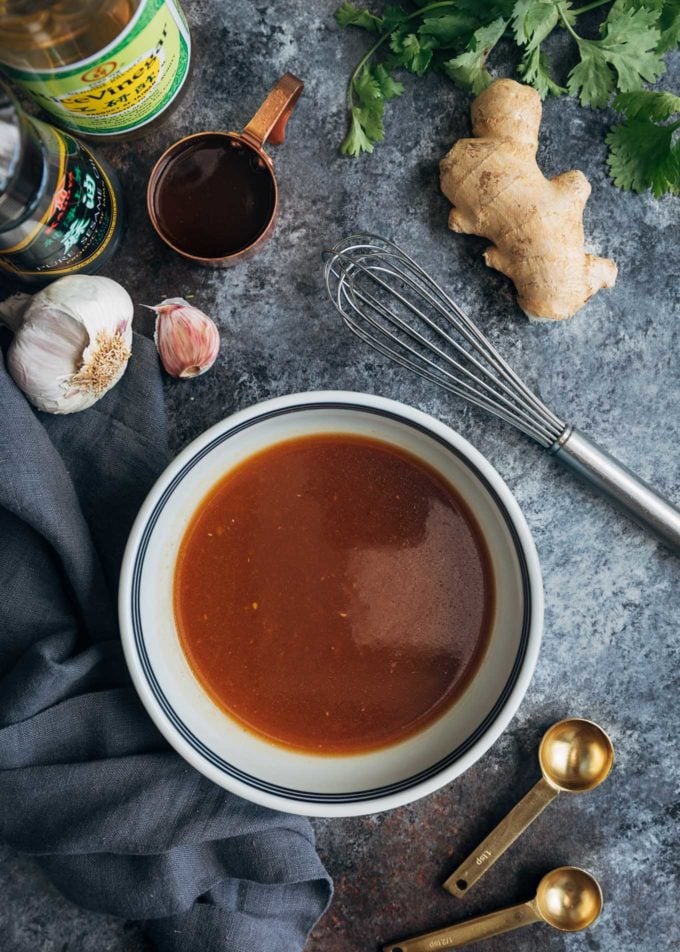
x: 223, y: 765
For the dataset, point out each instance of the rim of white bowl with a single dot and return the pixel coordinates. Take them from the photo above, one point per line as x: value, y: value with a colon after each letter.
x: 207, y: 762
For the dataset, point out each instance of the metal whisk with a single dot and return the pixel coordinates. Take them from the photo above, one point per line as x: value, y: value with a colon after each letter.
x: 391, y: 303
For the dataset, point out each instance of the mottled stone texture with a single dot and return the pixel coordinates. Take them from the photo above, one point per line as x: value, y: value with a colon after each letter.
x: 611, y: 641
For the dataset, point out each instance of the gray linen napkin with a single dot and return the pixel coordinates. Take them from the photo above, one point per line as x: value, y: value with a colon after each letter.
x: 87, y: 784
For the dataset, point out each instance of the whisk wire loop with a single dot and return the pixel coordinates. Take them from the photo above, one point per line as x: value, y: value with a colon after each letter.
x: 372, y: 282
x: 470, y: 381
x: 461, y: 390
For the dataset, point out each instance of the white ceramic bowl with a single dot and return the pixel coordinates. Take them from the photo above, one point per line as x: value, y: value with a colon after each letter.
x: 285, y: 779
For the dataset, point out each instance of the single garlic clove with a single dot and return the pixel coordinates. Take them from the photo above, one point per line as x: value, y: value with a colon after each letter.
x: 187, y: 340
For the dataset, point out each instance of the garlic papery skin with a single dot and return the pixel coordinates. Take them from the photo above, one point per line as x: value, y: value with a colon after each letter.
x: 188, y: 341
x: 73, y: 343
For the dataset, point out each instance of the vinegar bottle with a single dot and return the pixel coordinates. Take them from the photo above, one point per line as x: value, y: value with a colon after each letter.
x: 102, y: 68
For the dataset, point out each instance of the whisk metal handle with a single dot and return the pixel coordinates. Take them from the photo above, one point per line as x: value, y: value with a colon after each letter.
x: 620, y: 485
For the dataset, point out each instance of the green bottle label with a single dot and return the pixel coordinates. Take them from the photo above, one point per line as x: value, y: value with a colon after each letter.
x: 124, y: 86
x: 79, y: 224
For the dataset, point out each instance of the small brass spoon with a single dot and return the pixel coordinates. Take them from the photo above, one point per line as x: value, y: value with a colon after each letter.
x: 575, y: 755
x: 567, y: 898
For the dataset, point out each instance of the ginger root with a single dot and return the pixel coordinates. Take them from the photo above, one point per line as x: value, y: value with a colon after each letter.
x: 535, y: 224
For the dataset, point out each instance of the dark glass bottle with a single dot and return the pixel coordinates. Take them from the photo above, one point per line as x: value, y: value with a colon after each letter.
x: 60, y: 205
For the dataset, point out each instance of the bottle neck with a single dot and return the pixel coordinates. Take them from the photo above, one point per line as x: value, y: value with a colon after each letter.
x: 39, y: 35
x: 22, y: 163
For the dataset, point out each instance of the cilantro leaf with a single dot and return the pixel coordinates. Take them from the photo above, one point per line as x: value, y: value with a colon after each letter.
x: 468, y: 69
x: 389, y: 87
x: 533, y: 20
x: 349, y: 15
x: 644, y: 152
x: 372, y: 123
x: 371, y: 88
x: 411, y: 52
x: 669, y: 24
x: 629, y: 44
x: 591, y: 79
x: 643, y: 155
x: 393, y: 17
x: 646, y: 104
x: 367, y: 88
x: 620, y: 7
x: 535, y: 70
x: 532, y: 23
x: 448, y: 30
x: 356, y: 141
x: 623, y: 59
x: 486, y: 10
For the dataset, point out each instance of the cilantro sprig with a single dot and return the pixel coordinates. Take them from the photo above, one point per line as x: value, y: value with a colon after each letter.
x: 624, y: 57
x: 644, y: 151
x: 457, y: 38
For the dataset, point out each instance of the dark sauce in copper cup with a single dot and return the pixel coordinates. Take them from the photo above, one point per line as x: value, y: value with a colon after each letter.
x: 212, y: 196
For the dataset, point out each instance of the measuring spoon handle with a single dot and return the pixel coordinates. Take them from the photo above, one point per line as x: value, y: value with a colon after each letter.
x: 453, y: 937
x: 497, y: 842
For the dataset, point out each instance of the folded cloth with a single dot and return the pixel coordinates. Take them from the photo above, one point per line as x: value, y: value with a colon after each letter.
x: 88, y: 786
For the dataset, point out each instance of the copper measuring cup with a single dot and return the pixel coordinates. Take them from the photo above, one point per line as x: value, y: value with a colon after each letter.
x: 267, y: 125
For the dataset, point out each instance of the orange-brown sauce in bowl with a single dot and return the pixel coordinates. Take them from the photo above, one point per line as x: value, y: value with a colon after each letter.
x: 334, y: 594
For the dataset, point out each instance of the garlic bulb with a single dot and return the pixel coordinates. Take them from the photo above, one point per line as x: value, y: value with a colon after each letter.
x: 187, y: 340
x: 72, y: 344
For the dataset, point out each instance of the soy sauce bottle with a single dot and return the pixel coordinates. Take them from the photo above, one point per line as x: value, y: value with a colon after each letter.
x: 60, y: 205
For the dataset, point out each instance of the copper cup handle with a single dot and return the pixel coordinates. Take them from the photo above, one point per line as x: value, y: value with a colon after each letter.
x: 269, y: 122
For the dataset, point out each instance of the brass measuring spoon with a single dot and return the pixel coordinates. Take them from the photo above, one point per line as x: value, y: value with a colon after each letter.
x: 567, y: 898
x: 575, y: 755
